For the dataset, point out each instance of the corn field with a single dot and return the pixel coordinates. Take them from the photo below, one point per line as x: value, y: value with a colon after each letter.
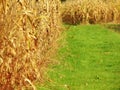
x: 29, y: 30
x: 89, y: 11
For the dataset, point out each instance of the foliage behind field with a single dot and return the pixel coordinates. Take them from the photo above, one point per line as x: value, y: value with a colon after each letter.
x: 91, y: 11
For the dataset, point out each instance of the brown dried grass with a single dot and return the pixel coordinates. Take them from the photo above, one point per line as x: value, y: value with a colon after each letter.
x: 89, y: 11
x: 29, y: 30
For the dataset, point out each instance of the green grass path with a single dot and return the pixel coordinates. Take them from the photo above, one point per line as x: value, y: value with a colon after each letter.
x: 90, y: 60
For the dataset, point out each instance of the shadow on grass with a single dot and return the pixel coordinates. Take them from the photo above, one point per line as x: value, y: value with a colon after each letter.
x: 114, y: 27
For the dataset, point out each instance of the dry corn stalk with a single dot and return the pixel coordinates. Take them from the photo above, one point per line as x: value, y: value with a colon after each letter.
x: 89, y: 11
x: 29, y: 30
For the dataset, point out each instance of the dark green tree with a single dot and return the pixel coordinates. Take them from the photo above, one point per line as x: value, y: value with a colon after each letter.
x: 63, y: 0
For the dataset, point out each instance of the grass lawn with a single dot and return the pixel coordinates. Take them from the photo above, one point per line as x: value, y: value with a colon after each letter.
x: 90, y: 60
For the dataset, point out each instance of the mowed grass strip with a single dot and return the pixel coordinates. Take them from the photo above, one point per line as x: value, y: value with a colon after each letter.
x: 90, y: 60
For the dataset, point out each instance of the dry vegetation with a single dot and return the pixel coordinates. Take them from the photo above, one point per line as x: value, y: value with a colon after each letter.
x: 29, y: 30
x: 91, y: 11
